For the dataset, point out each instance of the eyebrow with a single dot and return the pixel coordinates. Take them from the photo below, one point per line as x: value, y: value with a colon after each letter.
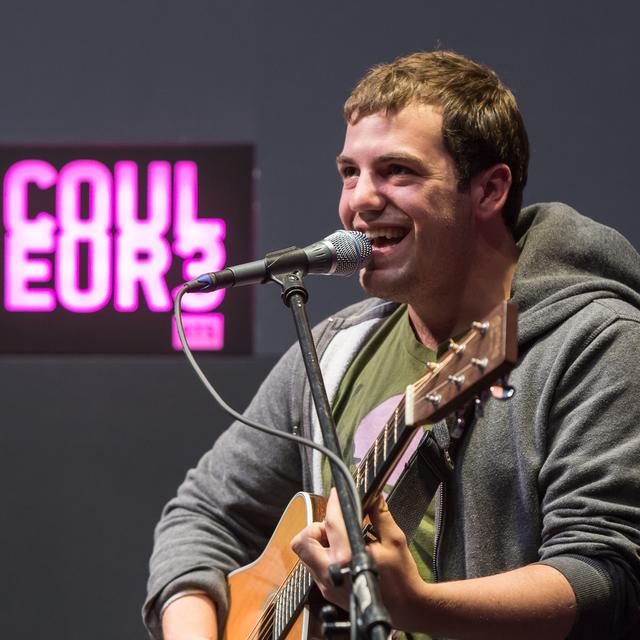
x: 341, y: 159
x: 387, y: 157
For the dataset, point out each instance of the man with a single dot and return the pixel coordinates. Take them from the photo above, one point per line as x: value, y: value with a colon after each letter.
x: 538, y: 530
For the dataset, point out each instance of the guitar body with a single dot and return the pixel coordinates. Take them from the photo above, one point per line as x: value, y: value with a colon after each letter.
x: 251, y: 588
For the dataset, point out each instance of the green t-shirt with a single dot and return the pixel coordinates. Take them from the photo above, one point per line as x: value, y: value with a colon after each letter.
x: 368, y: 394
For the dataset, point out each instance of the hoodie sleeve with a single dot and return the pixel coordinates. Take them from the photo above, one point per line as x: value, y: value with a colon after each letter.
x: 590, y: 481
x: 230, y: 502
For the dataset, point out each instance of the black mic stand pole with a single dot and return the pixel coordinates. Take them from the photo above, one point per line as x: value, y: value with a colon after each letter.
x: 373, y: 620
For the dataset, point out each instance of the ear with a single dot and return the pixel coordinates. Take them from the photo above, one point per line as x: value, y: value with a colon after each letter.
x: 489, y: 190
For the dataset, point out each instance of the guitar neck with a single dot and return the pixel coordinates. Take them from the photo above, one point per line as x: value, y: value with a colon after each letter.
x: 376, y: 466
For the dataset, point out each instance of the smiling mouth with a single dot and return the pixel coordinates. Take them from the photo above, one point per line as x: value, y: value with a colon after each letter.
x: 382, y: 238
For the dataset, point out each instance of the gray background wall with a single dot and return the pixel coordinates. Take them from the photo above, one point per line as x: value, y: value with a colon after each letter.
x: 91, y: 448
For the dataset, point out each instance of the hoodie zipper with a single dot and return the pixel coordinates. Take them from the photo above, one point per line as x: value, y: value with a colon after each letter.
x: 439, y: 528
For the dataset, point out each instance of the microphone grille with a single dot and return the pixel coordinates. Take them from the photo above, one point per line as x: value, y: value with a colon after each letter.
x: 353, y: 251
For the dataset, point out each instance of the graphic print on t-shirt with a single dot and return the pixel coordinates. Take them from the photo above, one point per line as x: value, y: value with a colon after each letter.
x: 369, y: 429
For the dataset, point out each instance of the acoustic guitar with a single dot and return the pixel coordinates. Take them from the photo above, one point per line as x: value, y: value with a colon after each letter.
x: 272, y: 598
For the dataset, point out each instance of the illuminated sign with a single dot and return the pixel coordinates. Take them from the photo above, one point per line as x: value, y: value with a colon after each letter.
x: 95, y: 242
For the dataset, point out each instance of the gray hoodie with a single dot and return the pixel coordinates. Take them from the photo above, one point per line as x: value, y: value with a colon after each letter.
x: 550, y: 476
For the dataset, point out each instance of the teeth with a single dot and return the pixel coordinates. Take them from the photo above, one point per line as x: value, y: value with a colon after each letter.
x: 390, y: 233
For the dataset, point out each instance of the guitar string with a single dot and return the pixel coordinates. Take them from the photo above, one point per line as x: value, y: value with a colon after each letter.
x: 265, y: 624
x: 277, y: 598
x: 279, y: 594
x: 259, y: 627
x: 267, y: 617
x: 271, y: 610
x: 272, y: 606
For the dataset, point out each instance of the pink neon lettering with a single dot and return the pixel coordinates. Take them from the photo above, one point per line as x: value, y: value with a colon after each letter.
x: 143, y: 256
x: 94, y: 231
x: 196, y: 236
x: 24, y: 237
x: 204, y: 331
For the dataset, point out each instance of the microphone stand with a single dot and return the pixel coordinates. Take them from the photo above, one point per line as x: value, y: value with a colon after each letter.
x: 373, y: 620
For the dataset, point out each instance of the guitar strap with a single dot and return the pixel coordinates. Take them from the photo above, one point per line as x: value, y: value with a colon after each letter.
x: 429, y: 466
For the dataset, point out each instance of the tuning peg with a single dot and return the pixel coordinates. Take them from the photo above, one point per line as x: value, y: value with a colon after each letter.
x: 481, y: 363
x: 457, y: 380
x: 434, y: 399
x: 458, y: 349
x: 482, y: 327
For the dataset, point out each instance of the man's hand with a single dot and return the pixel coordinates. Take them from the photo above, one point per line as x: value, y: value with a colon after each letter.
x: 535, y: 601
x: 325, y: 543
x: 192, y: 617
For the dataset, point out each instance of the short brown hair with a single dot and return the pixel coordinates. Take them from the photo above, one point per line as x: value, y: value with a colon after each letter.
x: 481, y: 121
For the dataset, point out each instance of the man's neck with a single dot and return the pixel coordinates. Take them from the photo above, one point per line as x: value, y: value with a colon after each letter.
x: 487, y: 282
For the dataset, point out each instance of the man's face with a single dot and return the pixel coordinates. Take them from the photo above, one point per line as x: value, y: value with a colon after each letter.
x: 400, y: 188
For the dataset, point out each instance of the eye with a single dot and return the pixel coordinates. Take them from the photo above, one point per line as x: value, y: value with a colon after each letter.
x: 347, y: 171
x: 399, y: 170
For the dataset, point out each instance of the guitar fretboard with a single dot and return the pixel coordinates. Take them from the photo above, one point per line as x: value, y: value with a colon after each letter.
x: 289, y: 600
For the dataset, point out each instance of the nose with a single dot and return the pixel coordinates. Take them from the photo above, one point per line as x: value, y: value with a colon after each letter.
x: 366, y: 195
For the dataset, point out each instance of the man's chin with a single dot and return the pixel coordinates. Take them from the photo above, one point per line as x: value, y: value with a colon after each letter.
x: 375, y: 285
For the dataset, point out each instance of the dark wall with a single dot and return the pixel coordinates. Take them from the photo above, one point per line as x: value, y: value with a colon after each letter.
x: 90, y: 448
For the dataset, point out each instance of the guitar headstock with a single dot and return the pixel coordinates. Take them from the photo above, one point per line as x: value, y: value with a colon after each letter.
x: 485, y: 354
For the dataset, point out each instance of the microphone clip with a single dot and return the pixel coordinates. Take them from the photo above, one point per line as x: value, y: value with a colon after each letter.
x: 292, y: 284
x: 285, y: 261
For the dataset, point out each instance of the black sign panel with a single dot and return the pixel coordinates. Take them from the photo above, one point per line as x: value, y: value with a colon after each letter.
x: 95, y: 241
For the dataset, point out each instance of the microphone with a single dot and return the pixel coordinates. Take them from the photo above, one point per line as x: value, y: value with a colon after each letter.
x: 341, y: 253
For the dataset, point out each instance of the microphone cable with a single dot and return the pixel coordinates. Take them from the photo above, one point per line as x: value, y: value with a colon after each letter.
x: 355, y: 496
